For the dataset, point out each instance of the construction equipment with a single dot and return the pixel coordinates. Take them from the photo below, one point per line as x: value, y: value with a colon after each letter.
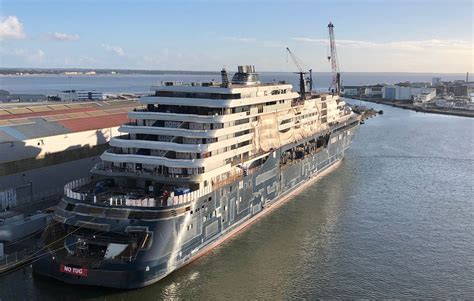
x: 297, y: 63
x: 336, y: 76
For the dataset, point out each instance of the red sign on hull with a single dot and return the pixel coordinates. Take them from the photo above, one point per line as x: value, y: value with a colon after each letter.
x: 73, y: 271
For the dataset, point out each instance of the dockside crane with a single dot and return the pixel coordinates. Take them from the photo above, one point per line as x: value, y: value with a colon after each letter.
x: 332, y: 57
x: 297, y: 63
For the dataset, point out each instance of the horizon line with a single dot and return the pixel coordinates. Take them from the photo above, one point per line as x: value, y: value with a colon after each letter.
x: 215, y: 71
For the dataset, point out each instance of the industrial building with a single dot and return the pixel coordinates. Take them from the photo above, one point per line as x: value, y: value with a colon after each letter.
x: 396, y: 92
x: 81, y: 95
x: 457, y: 88
x: 45, y: 145
x: 352, y: 90
x: 435, y: 81
x: 374, y: 91
x: 425, y: 96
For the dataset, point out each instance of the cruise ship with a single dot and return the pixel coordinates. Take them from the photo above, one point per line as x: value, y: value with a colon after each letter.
x: 197, y: 163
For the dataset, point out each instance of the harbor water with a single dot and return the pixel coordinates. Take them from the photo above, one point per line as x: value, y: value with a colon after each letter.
x: 394, y: 220
x: 140, y: 83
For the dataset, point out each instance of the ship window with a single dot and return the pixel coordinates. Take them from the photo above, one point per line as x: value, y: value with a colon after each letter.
x: 209, y: 199
x: 191, y: 212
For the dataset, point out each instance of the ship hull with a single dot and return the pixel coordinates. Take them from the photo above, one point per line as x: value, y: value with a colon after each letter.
x: 215, y: 217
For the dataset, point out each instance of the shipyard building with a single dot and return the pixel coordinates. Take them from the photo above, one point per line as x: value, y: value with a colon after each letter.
x: 45, y: 145
x: 396, y: 92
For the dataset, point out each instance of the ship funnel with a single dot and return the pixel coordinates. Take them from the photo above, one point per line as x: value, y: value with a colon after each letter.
x: 246, y: 75
x: 224, y: 78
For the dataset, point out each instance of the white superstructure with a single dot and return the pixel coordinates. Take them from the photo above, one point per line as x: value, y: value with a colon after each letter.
x: 196, y: 136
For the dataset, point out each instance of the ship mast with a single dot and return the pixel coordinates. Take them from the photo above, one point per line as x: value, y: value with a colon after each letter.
x: 336, y: 76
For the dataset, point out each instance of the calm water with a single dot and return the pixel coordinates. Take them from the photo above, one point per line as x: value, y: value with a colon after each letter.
x: 395, y: 220
x: 52, y: 84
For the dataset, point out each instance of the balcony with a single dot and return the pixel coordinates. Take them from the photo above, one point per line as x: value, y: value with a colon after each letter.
x: 88, y: 191
x: 145, y: 173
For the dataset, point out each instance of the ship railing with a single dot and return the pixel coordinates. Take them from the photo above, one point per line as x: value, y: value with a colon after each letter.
x: 69, y: 188
x: 144, y: 171
x: 171, y: 200
x: 124, y: 200
x: 188, y: 197
x: 230, y: 179
x: 127, y: 200
x: 9, y: 260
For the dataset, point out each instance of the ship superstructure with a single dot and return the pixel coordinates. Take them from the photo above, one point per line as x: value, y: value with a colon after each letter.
x: 198, y: 162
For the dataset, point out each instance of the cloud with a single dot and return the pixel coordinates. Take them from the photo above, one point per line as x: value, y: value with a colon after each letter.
x: 115, y: 49
x: 245, y: 40
x: 433, y: 44
x: 420, y: 45
x: 241, y: 39
x: 60, y: 36
x: 32, y: 56
x: 11, y: 28
x: 37, y: 56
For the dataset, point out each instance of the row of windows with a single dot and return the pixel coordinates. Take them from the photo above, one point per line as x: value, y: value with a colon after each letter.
x: 265, y: 93
x: 207, y: 111
x: 197, y: 95
x: 185, y: 140
x: 176, y: 154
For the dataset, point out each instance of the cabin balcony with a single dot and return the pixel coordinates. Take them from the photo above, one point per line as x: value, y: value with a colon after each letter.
x: 157, y: 174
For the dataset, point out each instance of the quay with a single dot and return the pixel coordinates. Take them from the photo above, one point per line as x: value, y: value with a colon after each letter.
x: 410, y: 106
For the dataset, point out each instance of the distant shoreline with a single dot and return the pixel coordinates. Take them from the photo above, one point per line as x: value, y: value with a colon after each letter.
x: 409, y: 106
x: 95, y: 72
x: 111, y: 71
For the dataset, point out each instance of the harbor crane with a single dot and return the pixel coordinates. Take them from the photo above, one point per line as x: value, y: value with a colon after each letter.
x: 297, y: 63
x: 332, y: 57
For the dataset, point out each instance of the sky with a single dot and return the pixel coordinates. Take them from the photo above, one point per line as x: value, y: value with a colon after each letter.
x: 372, y: 35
